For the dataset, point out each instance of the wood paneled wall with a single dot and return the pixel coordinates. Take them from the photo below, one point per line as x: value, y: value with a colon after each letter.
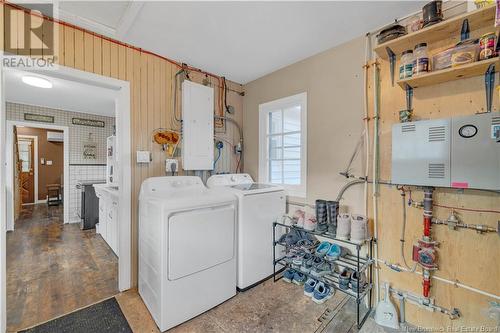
x: 151, y: 80
x: 464, y: 255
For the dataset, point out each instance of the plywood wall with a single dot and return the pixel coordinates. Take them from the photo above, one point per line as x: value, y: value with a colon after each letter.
x: 151, y: 80
x: 464, y: 256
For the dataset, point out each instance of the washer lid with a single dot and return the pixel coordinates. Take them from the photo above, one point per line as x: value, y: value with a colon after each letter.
x: 254, y: 188
x: 229, y: 180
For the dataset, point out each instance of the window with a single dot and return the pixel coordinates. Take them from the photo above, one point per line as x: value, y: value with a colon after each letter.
x: 24, y: 147
x: 282, y: 143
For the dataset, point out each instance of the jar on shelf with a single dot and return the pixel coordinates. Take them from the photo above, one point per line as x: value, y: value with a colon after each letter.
x: 421, y: 59
x: 406, y: 65
x: 487, y: 46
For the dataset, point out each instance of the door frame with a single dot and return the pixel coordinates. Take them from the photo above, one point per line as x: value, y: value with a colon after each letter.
x: 35, y: 167
x: 10, y: 167
x: 123, y: 132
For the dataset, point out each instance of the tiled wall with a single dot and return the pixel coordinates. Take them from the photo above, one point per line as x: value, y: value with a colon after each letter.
x: 80, y: 168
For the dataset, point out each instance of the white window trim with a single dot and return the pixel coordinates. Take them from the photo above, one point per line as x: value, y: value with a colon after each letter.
x: 264, y: 109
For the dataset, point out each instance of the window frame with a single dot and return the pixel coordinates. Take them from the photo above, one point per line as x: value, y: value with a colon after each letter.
x: 264, y: 110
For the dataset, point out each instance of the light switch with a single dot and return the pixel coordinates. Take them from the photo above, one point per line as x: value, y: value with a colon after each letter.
x: 49, y: 162
x: 42, y: 161
x: 143, y: 156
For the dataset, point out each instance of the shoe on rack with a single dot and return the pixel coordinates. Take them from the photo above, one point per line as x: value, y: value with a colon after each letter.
x: 290, y: 238
x: 344, y: 279
x: 307, y: 245
x: 355, y: 284
x: 299, y: 216
x: 321, y: 269
x: 307, y: 263
x: 288, y: 275
x: 323, y: 249
x: 310, y: 223
x: 309, y: 287
x: 322, y: 293
x: 334, y: 252
x: 298, y: 259
x: 299, y: 278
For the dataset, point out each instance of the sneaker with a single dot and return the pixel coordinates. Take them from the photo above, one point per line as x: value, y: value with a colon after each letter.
x: 310, y: 223
x: 298, y: 259
x: 322, y: 293
x: 334, y: 252
x: 288, y: 275
x: 323, y: 249
x: 290, y: 238
x: 321, y: 269
x: 299, y: 216
x: 355, y: 284
x: 307, y: 245
x: 344, y: 279
x: 305, y: 260
x: 299, y: 278
x: 309, y: 287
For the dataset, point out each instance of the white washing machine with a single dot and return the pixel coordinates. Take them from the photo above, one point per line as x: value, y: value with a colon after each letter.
x: 259, y: 205
x: 187, y: 248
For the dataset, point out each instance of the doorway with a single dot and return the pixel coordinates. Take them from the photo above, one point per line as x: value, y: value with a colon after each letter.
x: 51, y: 163
x: 26, y: 179
x: 70, y: 287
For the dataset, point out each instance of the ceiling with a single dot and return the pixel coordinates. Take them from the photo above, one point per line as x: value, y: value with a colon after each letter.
x: 240, y: 40
x: 64, y: 95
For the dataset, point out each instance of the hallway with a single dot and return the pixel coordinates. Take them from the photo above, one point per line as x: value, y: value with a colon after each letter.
x: 53, y: 269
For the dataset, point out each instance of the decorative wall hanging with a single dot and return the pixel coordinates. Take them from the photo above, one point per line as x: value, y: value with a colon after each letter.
x: 168, y: 139
x: 88, y: 122
x: 39, y: 118
x: 90, y: 149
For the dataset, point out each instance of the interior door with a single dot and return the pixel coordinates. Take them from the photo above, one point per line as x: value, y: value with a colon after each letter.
x: 26, y: 156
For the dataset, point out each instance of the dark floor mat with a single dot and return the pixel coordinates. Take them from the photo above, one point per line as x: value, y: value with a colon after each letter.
x: 102, y: 317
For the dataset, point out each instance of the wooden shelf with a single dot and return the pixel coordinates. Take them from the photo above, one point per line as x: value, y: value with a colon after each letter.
x: 446, y: 29
x: 450, y: 74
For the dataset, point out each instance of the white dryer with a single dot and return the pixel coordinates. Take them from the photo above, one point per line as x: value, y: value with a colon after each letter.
x: 259, y: 205
x: 187, y: 248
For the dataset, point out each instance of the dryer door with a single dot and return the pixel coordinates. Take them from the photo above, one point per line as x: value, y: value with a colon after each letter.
x: 200, y: 239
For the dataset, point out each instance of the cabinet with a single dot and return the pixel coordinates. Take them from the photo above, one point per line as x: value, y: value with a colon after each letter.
x: 108, y: 216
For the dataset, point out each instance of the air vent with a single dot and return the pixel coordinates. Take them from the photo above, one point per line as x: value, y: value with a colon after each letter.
x: 437, y: 134
x: 408, y: 128
x: 436, y: 170
x: 495, y: 120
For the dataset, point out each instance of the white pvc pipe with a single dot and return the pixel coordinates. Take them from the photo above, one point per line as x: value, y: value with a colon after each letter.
x: 454, y: 283
x: 367, y: 133
x: 375, y: 175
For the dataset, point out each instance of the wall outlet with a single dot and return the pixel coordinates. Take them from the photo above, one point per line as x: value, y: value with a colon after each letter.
x: 171, y: 164
x: 143, y: 156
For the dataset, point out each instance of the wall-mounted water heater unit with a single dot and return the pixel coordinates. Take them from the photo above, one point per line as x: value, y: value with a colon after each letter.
x: 458, y: 152
x: 197, y: 126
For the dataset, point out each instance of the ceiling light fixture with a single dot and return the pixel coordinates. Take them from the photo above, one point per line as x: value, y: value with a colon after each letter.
x: 37, y: 81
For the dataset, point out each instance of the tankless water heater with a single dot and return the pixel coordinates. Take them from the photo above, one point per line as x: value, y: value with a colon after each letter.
x: 458, y: 152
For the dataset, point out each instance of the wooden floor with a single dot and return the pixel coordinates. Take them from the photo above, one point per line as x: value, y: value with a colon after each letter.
x: 54, y: 268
